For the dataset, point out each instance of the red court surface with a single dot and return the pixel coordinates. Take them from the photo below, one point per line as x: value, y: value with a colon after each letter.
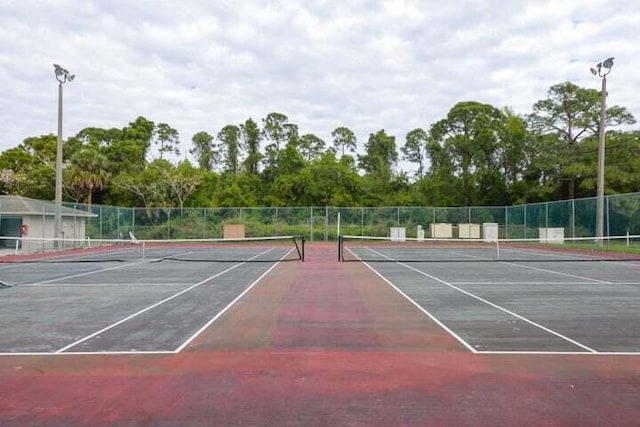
x: 320, y: 343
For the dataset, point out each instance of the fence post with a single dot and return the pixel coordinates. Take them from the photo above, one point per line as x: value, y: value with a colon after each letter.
x: 311, y: 224
x: 546, y: 214
x: 506, y: 222
x: 607, y: 215
x: 204, y: 223
x: 326, y: 223
x: 573, y: 218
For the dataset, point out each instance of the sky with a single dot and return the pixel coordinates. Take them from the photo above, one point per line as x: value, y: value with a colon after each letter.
x: 395, y: 65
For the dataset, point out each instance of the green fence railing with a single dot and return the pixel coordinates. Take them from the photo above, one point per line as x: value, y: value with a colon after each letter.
x: 577, y: 217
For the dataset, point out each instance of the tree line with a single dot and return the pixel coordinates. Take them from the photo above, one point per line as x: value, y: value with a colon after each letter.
x: 476, y: 155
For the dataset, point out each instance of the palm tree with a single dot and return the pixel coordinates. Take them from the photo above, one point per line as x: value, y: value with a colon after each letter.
x: 88, y: 173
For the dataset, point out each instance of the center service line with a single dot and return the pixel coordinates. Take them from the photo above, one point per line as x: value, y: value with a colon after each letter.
x: 419, y: 307
x: 210, y: 322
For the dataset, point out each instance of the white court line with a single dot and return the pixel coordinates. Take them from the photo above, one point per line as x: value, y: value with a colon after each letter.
x: 544, y: 270
x: 531, y: 322
x: 575, y: 276
x: 116, y: 285
x: 86, y: 273
x: 532, y: 283
x: 90, y: 353
x: 210, y: 322
x: 419, y: 307
x: 156, y: 304
x: 559, y: 353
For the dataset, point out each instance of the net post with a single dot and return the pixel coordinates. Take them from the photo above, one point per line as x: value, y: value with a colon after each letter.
x: 498, y: 249
x: 299, y: 248
x: 340, y: 239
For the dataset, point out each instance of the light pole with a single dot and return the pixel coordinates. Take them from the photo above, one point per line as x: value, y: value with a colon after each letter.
x: 63, y: 76
x: 601, y: 70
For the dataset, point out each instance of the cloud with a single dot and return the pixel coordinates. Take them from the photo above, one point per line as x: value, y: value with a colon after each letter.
x: 369, y: 65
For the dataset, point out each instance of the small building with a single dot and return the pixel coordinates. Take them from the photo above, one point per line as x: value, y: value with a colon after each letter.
x: 35, y: 220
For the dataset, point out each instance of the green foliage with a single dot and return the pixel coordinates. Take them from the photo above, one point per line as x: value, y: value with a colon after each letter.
x: 203, y: 150
x: 476, y: 155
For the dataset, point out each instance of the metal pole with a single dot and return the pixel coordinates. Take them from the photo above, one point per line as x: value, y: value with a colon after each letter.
x: 601, y: 70
x: 62, y: 76
x: 58, y: 201
x: 601, y: 151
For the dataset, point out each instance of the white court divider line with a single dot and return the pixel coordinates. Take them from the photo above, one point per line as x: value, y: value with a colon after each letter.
x: 418, y: 306
x: 122, y: 285
x: 529, y: 283
x: 559, y: 273
x: 516, y: 315
x: 224, y: 310
x: 558, y: 353
x: 544, y: 270
x: 86, y: 273
x: 90, y: 353
x: 113, y: 325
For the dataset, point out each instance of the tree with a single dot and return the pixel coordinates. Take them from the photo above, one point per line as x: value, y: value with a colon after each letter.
x: 378, y: 164
x: 464, y: 144
x: 344, y: 138
x: 415, y: 149
x: 274, y: 130
x: 87, y: 173
x: 250, y: 135
x: 622, y: 167
x: 380, y: 155
x: 229, y: 136
x: 97, y: 137
x: 128, y: 152
x: 571, y: 114
x: 183, y: 181
x: 203, y: 150
x: 167, y: 139
x: 33, y: 165
x: 311, y: 146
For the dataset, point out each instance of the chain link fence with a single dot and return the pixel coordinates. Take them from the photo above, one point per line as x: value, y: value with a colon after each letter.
x: 577, y: 217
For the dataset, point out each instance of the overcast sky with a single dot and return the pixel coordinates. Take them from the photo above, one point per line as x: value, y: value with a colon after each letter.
x: 368, y: 65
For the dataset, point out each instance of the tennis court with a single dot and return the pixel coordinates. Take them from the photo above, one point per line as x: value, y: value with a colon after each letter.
x: 147, y: 297
x: 157, y: 339
x: 532, y: 299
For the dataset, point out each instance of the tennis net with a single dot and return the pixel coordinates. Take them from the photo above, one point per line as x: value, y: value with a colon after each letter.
x: 258, y: 249
x: 385, y: 249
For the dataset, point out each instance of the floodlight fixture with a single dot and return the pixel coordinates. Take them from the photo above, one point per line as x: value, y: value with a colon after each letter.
x: 62, y: 74
x: 603, y: 68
